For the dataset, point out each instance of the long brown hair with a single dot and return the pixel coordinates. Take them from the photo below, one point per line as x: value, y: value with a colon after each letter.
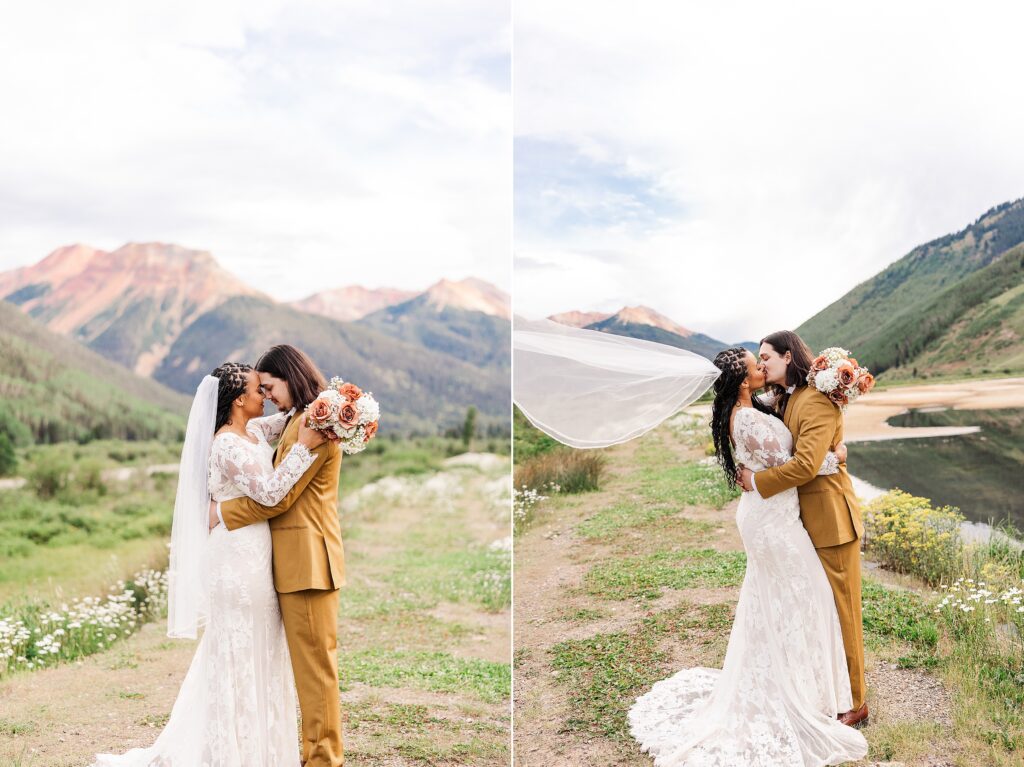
x: 783, y: 341
x: 304, y: 379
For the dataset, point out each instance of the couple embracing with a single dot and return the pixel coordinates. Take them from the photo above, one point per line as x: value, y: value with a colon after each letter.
x: 791, y: 690
x: 266, y: 593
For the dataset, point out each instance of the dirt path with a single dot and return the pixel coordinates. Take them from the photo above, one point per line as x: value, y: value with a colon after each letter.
x: 413, y: 651
x: 555, y: 604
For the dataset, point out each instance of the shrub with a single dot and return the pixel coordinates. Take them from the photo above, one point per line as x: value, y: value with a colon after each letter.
x: 48, y: 478
x: 906, y: 534
x: 573, y: 471
x: 89, y: 476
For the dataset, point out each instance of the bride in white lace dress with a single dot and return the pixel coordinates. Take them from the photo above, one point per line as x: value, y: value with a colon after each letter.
x: 784, y: 680
x: 237, y: 705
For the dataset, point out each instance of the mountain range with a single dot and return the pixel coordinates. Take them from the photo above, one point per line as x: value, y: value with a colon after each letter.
x: 953, y: 306
x: 644, y: 322
x: 173, y: 314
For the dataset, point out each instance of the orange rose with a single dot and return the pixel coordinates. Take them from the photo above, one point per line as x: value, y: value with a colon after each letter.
x: 819, y: 364
x: 348, y: 416
x: 370, y: 429
x: 350, y: 391
x: 837, y: 396
x: 847, y: 375
x: 320, y: 412
x: 865, y: 383
x: 854, y: 362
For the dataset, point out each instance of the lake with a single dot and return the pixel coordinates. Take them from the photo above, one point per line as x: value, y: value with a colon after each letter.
x: 982, y: 473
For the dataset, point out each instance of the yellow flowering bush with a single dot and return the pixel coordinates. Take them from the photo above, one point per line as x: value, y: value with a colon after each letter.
x: 907, y: 534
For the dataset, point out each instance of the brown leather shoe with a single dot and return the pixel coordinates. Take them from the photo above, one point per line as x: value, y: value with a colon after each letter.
x: 857, y: 719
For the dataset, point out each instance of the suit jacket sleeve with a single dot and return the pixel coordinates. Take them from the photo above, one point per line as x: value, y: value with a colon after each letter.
x: 814, y: 435
x: 239, y: 512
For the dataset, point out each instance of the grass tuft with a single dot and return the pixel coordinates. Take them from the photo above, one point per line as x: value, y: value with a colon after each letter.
x: 436, y: 671
x: 645, y: 577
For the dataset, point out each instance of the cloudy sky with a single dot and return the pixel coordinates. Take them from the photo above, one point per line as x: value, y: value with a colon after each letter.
x: 307, y: 144
x: 739, y: 166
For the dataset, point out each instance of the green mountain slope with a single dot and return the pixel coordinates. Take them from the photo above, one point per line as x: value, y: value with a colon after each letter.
x: 419, y: 389
x: 480, y: 339
x: 893, y: 317
x: 54, y: 389
x: 976, y: 326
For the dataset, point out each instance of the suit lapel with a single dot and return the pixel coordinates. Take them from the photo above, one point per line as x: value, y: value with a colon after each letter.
x: 791, y: 405
x: 288, y: 438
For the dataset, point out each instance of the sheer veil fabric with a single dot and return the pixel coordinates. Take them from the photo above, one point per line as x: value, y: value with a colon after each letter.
x: 589, y: 389
x: 187, y: 607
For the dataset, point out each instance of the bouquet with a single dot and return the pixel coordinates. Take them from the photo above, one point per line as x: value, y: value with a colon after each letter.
x: 838, y: 376
x: 347, y: 413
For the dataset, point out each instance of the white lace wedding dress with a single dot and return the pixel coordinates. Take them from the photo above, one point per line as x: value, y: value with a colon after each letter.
x: 237, y: 705
x: 784, y: 679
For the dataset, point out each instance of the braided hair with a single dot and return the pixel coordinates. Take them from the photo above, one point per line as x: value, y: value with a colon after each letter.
x: 233, y: 378
x: 733, y: 364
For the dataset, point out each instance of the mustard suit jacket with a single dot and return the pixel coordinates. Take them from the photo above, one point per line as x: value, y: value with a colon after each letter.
x: 829, y: 508
x: 304, y: 525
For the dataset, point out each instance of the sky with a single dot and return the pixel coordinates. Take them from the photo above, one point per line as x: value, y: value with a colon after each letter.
x: 739, y: 166
x: 307, y: 144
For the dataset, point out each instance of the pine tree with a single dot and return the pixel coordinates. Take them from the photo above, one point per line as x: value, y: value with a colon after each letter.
x: 8, y: 459
x: 469, y: 427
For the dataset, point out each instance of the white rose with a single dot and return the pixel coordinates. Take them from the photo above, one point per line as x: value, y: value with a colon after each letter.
x: 826, y: 381
x: 367, y: 408
x: 334, y: 398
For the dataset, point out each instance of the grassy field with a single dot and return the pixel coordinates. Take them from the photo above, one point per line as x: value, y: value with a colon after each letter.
x: 423, y: 626
x: 623, y: 586
x: 74, y: 529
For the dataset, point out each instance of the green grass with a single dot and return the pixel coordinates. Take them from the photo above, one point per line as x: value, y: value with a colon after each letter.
x: 631, y: 514
x: 416, y: 734
x: 644, y: 577
x: 10, y: 728
x: 582, y: 615
x: 71, y: 532
x: 527, y: 440
x: 393, y: 456
x: 902, y: 620
x: 681, y: 484
x: 437, y: 671
x: 108, y: 453
x: 604, y: 673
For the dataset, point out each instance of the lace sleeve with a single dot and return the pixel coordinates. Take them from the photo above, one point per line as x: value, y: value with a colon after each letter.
x: 236, y: 464
x: 758, y: 439
x: 271, y: 426
x: 830, y: 465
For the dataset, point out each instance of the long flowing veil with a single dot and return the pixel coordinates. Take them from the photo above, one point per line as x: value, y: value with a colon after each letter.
x: 590, y: 389
x: 187, y: 605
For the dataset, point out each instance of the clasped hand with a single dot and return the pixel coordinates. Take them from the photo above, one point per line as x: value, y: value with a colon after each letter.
x: 744, y: 476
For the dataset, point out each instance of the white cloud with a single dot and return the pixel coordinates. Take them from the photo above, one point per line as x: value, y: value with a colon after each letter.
x: 363, y: 142
x: 806, y: 146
